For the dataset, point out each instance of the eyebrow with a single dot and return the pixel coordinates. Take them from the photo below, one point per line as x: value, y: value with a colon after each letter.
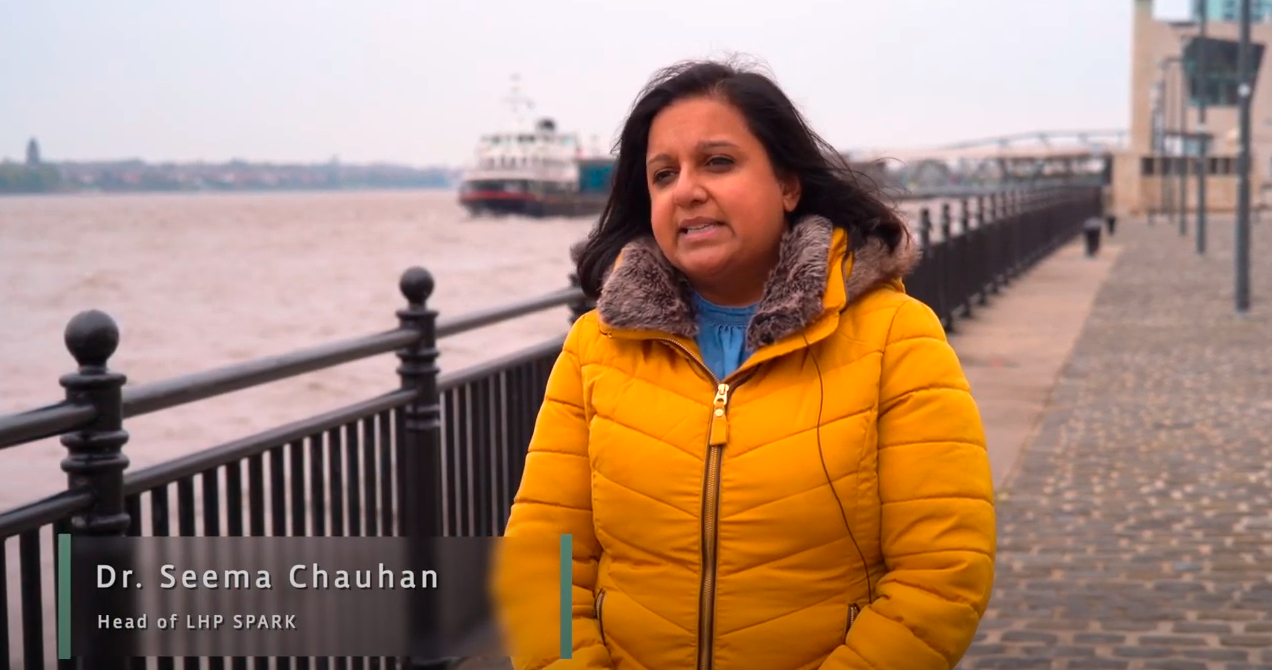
x: 702, y: 147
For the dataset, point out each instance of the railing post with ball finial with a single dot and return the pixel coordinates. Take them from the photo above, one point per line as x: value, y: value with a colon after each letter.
x: 95, y: 462
x: 419, y: 456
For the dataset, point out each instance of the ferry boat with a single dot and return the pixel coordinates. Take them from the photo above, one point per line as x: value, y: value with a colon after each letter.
x: 534, y: 171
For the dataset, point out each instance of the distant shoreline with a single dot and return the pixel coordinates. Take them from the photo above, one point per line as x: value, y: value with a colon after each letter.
x: 89, y: 193
x: 36, y: 177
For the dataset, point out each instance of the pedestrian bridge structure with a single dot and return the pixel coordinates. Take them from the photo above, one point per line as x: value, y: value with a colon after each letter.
x: 1047, y: 158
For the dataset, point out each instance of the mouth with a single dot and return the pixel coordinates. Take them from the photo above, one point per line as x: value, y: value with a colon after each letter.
x: 698, y: 225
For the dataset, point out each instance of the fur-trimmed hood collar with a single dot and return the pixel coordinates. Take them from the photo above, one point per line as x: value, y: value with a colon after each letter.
x: 644, y: 291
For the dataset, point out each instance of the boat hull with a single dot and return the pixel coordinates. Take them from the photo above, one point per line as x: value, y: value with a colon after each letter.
x: 527, y: 205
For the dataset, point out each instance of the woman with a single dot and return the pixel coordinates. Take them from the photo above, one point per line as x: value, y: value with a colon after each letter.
x: 765, y: 452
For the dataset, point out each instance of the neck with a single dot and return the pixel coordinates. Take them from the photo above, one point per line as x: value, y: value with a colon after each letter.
x: 729, y: 298
x: 739, y: 288
x: 732, y: 291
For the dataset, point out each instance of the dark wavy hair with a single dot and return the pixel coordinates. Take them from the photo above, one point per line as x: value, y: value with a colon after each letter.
x: 829, y: 187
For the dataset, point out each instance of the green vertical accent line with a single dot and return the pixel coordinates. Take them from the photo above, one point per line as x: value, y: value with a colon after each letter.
x: 567, y: 597
x: 63, y: 597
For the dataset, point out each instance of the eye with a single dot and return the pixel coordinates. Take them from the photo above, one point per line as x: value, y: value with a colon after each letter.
x: 719, y: 161
x: 661, y: 176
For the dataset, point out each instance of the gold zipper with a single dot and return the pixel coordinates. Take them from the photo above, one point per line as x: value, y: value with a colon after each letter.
x: 717, y: 437
x: 853, y: 610
x: 600, y: 613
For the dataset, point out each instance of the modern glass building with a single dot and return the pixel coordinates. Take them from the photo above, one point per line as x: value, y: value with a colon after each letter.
x: 1230, y: 10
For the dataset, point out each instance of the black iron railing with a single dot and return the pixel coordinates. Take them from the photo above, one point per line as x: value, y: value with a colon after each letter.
x: 994, y: 239
x: 442, y: 454
x: 439, y: 454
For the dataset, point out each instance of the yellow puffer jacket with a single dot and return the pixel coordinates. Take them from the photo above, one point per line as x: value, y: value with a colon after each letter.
x: 705, y: 532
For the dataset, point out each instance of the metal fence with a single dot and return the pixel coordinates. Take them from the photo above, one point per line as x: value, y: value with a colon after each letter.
x: 441, y: 454
x: 994, y: 239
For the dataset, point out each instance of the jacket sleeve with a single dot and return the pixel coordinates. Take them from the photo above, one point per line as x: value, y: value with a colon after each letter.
x: 938, y: 533
x: 554, y: 499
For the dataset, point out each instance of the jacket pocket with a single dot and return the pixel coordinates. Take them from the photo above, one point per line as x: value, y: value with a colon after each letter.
x: 599, y: 609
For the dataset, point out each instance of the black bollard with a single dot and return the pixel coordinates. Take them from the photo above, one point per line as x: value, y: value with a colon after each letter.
x: 1112, y: 223
x: 1091, y: 230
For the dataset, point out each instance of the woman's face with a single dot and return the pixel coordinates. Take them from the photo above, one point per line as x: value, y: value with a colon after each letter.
x: 718, y: 209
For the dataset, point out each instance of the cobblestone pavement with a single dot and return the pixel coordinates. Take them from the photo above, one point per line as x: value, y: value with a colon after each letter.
x: 1136, y: 531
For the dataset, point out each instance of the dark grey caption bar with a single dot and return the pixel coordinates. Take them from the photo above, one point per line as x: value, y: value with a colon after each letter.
x: 280, y: 596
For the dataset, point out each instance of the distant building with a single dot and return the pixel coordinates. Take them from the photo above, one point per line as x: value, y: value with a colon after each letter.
x: 33, y: 153
x: 1230, y: 10
x: 1165, y: 91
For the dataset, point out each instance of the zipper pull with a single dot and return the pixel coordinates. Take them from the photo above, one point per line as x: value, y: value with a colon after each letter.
x: 719, y: 418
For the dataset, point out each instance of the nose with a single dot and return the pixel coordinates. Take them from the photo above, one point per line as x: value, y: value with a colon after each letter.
x: 688, y: 189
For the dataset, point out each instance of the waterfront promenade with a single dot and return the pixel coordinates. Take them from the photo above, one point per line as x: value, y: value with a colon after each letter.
x: 1136, y: 523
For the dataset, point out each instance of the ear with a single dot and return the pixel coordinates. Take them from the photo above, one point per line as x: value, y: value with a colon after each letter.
x: 790, y: 193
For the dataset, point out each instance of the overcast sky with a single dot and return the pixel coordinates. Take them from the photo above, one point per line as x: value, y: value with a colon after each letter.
x: 416, y: 81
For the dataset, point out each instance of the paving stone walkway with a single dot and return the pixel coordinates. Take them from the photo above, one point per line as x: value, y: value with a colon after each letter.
x: 1136, y: 530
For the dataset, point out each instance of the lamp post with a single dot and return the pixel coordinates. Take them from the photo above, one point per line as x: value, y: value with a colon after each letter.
x: 1159, y: 146
x: 1203, y: 162
x: 1241, y: 257
x: 1183, y: 143
x: 1169, y: 165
